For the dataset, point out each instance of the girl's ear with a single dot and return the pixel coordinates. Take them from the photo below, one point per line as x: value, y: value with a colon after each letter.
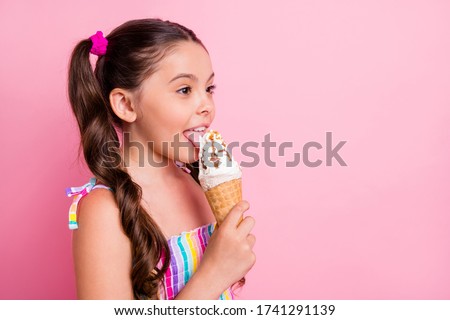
x: 121, y: 104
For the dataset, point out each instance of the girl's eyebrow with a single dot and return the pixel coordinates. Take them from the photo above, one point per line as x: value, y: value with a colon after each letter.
x: 190, y: 76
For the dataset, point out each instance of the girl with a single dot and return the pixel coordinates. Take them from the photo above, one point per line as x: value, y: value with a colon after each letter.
x: 153, y: 82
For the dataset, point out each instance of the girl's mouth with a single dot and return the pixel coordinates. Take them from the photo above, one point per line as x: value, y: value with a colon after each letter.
x: 194, y: 135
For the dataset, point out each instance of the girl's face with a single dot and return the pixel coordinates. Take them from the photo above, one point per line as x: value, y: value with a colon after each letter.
x: 175, y: 99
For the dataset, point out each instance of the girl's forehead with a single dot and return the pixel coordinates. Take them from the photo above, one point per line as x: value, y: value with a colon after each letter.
x: 188, y: 58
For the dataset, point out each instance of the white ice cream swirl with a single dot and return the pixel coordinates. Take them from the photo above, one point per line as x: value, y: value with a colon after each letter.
x: 216, y: 164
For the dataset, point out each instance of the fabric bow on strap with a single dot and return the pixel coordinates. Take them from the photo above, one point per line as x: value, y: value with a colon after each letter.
x: 78, y: 193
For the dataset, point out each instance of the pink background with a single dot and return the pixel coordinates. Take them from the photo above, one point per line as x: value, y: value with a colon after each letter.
x: 375, y: 73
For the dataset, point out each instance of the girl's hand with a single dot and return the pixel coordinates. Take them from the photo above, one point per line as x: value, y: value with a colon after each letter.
x: 229, y: 255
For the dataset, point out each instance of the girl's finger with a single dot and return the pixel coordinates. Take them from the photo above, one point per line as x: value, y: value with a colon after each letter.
x: 235, y: 214
x: 246, y: 226
x: 251, y: 239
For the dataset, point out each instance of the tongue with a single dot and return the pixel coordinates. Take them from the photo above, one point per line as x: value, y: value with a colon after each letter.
x: 193, y: 137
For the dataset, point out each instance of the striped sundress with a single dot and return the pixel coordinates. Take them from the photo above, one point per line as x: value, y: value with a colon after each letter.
x: 186, y: 249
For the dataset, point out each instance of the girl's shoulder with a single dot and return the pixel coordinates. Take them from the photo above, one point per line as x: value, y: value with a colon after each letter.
x: 93, y: 201
x: 99, y: 204
x: 99, y: 243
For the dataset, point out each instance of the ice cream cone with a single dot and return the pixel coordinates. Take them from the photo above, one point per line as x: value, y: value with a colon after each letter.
x: 223, y: 197
x: 219, y: 174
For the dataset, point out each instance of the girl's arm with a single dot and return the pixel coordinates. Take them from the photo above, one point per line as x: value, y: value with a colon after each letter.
x: 102, y: 251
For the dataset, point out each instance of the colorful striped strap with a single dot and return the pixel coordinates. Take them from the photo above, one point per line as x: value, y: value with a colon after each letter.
x: 78, y: 193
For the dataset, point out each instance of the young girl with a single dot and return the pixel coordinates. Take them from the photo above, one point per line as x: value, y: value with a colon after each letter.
x: 153, y: 83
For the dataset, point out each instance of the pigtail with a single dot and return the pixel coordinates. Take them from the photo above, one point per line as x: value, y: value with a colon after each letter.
x: 100, y: 146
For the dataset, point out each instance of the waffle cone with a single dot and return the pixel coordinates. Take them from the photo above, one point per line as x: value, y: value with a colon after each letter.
x: 223, y: 197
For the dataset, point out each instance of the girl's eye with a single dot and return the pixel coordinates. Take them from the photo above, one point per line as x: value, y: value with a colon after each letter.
x: 185, y: 90
x: 211, y: 89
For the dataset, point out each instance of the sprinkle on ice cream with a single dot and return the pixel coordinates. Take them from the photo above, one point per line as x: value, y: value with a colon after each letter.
x: 216, y: 163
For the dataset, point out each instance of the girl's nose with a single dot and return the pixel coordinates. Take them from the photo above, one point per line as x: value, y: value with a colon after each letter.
x: 205, y: 106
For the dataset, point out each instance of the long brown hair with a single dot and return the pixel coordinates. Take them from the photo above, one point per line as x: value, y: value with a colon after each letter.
x: 133, y: 52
